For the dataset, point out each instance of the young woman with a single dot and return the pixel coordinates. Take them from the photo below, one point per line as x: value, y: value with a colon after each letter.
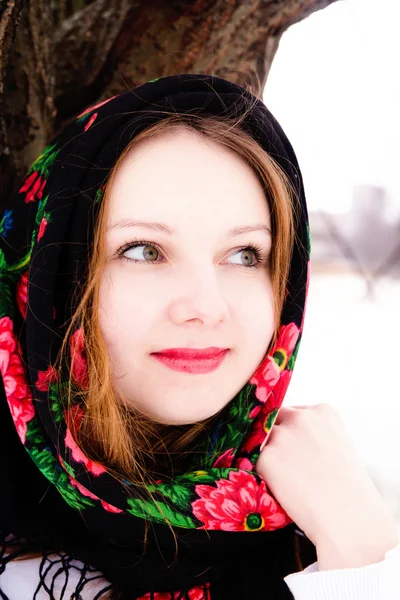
x: 154, y: 270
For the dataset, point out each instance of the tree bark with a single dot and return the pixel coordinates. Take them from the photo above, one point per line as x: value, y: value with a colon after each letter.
x: 10, y: 12
x: 57, y: 58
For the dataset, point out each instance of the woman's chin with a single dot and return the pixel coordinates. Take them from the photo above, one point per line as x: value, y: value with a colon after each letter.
x: 184, y: 418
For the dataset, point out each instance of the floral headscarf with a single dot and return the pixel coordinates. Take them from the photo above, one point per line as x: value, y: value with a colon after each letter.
x: 46, y: 233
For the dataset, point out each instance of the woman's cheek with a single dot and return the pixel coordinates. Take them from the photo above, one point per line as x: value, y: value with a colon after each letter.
x: 127, y: 311
x: 254, y: 299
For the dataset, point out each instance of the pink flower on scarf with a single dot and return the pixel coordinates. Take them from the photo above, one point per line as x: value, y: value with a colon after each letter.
x: 73, y: 418
x: 225, y: 460
x: 45, y: 378
x: 245, y: 464
x: 78, y: 358
x: 278, y: 393
x: 258, y: 433
x: 91, y: 121
x: 85, y: 492
x: 265, y: 378
x: 285, y: 344
x: 268, y: 373
x: 33, y: 185
x: 261, y: 426
x: 110, y: 507
x: 17, y: 390
x: 42, y: 229
x: 22, y: 293
x: 196, y: 593
x: 88, y: 110
x: 240, y: 503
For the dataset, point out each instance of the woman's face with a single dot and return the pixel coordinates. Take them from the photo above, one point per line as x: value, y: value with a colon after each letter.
x: 192, y: 207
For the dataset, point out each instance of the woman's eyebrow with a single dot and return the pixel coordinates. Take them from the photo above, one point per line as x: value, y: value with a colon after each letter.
x: 170, y: 230
x: 150, y: 225
x: 247, y: 228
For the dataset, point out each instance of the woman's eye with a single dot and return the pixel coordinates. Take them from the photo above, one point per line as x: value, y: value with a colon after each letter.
x: 247, y: 257
x: 140, y: 253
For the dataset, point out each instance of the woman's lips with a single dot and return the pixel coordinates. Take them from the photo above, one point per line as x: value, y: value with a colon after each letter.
x: 192, y: 360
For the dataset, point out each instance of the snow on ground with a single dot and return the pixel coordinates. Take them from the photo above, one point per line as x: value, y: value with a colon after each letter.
x: 349, y: 357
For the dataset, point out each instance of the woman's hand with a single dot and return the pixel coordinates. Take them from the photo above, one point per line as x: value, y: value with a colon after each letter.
x: 313, y: 471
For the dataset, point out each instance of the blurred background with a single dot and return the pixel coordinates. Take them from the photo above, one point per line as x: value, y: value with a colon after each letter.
x: 334, y: 86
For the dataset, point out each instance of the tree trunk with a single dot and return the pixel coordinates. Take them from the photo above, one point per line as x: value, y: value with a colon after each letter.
x: 58, y: 57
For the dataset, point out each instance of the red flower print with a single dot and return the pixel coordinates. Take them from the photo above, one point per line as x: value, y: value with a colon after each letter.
x: 45, y: 378
x: 17, y: 390
x: 91, y: 121
x: 278, y: 393
x: 258, y: 433
x: 22, y: 293
x: 240, y: 503
x: 225, y: 460
x: 254, y: 411
x: 244, y: 463
x: 268, y: 373
x: 73, y: 418
x: 196, y: 593
x: 42, y: 229
x: 110, y: 507
x: 265, y: 378
x: 285, y: 344
x: 78, y: 358
x: 88, y: 110
x: 261, y: 427
x: 33, y: 185
x: 85, y: 492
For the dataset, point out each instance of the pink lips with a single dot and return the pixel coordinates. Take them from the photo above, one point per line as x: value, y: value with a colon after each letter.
x: 192, y: 360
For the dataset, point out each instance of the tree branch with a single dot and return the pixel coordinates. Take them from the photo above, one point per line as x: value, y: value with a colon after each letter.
x: 124, y: 44
x: 64, y: 56
x: 83, y: 44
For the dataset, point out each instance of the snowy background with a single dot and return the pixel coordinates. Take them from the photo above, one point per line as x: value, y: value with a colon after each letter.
x: 334, y: 86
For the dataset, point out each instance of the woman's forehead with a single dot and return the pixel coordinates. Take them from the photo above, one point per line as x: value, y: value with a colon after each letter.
x: 178, y: 177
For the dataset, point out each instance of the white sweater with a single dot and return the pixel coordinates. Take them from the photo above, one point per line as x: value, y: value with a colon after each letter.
x: 379, y: 581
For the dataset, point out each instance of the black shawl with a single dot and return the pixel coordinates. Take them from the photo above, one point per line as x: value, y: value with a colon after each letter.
x: 52, y: 498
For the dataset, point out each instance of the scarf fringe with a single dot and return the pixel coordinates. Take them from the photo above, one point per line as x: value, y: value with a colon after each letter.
x: 56, y: 569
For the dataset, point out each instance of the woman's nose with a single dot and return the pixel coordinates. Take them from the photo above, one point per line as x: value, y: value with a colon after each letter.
x: 198, y: 298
